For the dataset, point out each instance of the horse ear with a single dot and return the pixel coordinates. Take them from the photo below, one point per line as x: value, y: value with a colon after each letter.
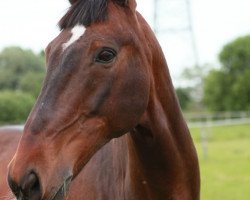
x: 72, y: 1
x: 127, y: 3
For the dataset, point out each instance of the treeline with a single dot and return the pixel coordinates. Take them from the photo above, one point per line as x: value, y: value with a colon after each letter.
x: 222, y: 88
x: 21, y: 75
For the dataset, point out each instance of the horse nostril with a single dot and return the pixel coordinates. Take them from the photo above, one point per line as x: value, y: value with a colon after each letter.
x: 13, y: 186
x: 31, y: 187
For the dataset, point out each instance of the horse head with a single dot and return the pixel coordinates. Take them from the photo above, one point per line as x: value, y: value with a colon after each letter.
x: 96, y: 88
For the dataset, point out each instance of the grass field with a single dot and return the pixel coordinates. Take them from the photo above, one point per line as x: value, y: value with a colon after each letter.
x: 225, y: 171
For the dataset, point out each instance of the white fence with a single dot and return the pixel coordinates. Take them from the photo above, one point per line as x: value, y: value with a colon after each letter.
x: 205, y: 121
x: 199, y: 120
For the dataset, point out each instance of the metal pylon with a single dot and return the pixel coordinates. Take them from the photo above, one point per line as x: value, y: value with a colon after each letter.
x: 174, y: 28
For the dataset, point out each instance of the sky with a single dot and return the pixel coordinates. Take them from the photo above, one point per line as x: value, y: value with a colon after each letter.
x: 33, y: 24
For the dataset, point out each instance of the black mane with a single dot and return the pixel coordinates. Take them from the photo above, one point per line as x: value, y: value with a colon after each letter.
x: 86, y: 12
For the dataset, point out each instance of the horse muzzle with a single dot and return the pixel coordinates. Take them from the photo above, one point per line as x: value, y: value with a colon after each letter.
x: 30, y: 188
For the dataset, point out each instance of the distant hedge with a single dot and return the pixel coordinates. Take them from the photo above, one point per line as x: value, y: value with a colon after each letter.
x: 15, y: 107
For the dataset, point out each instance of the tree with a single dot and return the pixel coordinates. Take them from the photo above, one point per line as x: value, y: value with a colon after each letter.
x: 21, y: 76
x: 183, y: 95
x: 15, y: 63
x: 241, y: 92
x: 228, y: 88
x: 216, y: 91
x: 31, y: 83
x: 14, y: 106
x: 235, y: 56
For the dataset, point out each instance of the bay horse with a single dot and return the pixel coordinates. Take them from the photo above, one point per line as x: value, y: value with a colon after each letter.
x: 107, y: 124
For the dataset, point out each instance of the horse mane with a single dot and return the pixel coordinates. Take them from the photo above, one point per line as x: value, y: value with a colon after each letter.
x: 86, y: 12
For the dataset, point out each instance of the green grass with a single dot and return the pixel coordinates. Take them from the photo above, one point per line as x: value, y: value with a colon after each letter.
x: 225, y: 170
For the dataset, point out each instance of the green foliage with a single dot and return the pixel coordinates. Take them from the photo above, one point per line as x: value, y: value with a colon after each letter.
x: 15, y: 63
x: 15, y: 106
x: 183, y: 95
x: 241, y: 91
x: 228, y: 88
x: 31, y: 83
x: 235, y: 56
x: 216, y: 91
x: 21, y: 75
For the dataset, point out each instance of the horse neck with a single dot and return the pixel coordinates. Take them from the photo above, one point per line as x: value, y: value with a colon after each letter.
x: 161, y: 145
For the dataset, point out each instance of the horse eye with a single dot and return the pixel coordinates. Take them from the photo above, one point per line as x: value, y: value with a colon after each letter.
x: 105, y: 56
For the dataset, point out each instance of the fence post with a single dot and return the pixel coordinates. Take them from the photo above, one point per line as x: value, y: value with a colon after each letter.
x: 204, y: 142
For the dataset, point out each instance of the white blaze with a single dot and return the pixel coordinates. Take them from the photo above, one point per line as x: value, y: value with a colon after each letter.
x: 77, y: 32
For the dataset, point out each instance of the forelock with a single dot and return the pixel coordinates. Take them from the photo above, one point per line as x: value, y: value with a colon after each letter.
x: 86, y: 12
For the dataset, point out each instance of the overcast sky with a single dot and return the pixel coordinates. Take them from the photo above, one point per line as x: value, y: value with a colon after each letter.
x: 32, y: 24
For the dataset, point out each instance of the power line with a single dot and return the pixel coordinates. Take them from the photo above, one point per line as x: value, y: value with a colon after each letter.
x: 174, y: 17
